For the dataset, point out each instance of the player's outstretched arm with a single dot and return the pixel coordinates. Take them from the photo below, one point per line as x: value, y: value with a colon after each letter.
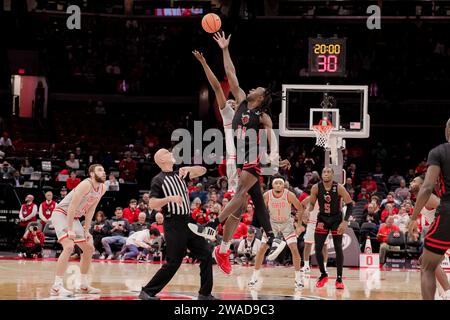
x: 212, y: 79
x: 230, y: 71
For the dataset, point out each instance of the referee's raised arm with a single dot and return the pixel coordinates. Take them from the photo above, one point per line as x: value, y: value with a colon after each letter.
x: 194, y: 172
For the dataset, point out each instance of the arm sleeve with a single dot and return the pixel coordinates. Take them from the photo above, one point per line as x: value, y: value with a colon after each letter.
x: 156, y: 189
x: 434, y: 158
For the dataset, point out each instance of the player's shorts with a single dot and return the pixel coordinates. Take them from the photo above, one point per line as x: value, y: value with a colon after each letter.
x: 59, y: 221
x: 309, y: 234
x: 437, y: 239
x: 286, y: 229
x: 326, y: 223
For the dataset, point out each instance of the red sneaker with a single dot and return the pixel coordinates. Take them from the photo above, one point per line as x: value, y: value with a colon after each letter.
x: 223, y: 260
x: 340, y: 285
x: 321, y: 281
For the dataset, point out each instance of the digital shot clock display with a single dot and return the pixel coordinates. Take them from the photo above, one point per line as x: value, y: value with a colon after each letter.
x: 327, y: 57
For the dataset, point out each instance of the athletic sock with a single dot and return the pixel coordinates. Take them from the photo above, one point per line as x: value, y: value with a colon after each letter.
x: 213, y: 224
x: 338, y: 279
x: 83, y: 281
x: 306, y: 263
x: 59, y: 281
x: 224, y: 246
x: 323, y: 275
x: 298, y: 276
x: 255, y: 274
x: 325, y: 266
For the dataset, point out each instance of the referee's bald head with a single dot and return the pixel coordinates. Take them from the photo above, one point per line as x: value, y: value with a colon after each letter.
x: 164, y: 159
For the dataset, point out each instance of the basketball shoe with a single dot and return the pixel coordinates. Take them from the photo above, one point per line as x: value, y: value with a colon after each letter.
x: 223, y: 260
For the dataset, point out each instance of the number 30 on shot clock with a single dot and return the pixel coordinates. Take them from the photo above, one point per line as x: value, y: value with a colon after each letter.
x: 327, y: 57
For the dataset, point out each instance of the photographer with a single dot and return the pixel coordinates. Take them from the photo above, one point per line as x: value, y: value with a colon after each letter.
x: 142, y: 240
x: 31, y: 244
x: 248, y: 248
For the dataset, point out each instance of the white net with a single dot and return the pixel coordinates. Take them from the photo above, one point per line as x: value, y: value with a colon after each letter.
x: 322, y: 135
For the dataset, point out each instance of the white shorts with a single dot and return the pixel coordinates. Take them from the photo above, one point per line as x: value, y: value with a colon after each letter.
x: 309, y: 234
x: 59, y: 221
x: 286, y: 229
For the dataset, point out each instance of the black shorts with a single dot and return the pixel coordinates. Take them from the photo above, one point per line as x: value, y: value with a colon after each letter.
x: 327, y: 223
x: 253, y: 168
x: 437, y: 239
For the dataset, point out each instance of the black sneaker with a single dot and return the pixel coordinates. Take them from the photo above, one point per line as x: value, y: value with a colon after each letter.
x: 145, y: 296
x: 208, y: 297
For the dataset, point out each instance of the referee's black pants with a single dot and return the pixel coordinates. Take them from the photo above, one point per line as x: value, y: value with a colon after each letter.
x: 178, y: 238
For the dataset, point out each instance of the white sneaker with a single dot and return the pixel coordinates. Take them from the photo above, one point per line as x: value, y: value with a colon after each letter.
x: 88, y: 290
x: 299, y: 284
x: 253, y: 283
x: 60, y: 291
x: 20, y: 255
x: 110, y: 257
x: 305, y: 269
x: 102, y: 257
x: 276, y: 249
x: 205, y: 232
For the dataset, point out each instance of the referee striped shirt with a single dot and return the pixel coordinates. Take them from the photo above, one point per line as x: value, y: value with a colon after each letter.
x: 167, y: 184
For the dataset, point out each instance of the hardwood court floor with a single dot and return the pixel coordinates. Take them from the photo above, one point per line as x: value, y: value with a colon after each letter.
x: 29, y: 279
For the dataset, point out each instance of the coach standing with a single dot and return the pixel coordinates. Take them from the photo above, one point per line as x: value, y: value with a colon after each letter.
x: 169, y: 192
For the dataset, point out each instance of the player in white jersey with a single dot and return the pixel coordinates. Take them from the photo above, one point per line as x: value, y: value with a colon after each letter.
x: 226, y: 109
x: 309, y: 237
x: 279, y: 201
x: 428, y: 215
x: 80, y: 202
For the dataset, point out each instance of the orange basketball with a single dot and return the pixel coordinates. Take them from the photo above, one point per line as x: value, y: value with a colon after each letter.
x: 211, y: 23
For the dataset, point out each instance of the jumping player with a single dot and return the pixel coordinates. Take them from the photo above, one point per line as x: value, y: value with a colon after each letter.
x: 226, y: 109
x: 80, y: 202
x: 428, y: 213
x: 329, y: 194
x: 437, y: 240
x: 250, y: 116
x: 279, y: 201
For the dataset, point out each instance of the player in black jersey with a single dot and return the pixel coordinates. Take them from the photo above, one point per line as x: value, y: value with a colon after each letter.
x: 437, y: 240
x: 250, y: 116
x: 330, y: 218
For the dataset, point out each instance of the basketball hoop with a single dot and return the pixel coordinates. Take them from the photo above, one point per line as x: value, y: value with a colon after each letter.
x: 323, y: 132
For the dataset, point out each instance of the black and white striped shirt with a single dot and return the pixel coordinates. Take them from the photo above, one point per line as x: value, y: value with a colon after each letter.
x: 167, y: 184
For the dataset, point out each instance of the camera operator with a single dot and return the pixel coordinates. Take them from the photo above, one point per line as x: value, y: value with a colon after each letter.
x: 141, y: 240
x: 31, y: 244
x: 248, y: 248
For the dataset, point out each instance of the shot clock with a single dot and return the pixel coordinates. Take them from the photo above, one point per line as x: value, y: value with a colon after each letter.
x: 327, y: 57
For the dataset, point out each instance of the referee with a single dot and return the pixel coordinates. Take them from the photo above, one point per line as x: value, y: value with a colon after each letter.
x: 169, y: 192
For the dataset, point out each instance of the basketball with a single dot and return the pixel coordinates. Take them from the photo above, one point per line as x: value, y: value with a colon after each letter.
x: 211, y: 23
